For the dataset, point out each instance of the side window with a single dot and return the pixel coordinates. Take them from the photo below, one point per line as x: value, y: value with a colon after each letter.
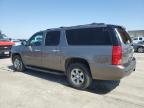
x: 52, y: 38
x: 140, y: 38
x: 36, y: 40
x: 88, y: 36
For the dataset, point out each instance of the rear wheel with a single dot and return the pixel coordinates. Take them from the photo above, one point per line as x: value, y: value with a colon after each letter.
x: 18, y: 64
x: 140, y: 49
x: 79, y: 76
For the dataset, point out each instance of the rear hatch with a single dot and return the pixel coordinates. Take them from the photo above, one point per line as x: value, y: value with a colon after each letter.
x: 126, y: 44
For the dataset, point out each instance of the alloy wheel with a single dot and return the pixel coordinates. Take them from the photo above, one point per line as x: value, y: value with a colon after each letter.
x: 77, y: 76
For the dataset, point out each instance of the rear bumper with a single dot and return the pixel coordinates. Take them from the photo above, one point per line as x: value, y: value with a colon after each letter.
x: 113, y: 72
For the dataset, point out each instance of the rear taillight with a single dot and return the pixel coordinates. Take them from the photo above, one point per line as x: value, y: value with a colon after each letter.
x: 116, y: 55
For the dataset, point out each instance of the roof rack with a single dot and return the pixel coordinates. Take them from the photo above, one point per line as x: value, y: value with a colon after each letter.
x: 92, y: 24
x: 97, y: 23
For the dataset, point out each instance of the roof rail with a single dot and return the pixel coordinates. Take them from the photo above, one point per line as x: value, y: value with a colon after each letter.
x: 92, y: 24
x: 97, y: 23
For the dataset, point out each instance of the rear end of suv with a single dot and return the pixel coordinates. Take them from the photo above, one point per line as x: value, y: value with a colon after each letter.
x: 83, y: 53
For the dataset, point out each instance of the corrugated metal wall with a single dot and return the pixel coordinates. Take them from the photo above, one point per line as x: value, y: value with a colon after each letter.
x: 136, y: 33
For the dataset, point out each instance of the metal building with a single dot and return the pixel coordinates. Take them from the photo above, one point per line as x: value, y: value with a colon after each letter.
x: 136, y: 33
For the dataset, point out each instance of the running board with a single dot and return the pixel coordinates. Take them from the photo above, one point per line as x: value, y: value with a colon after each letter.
x: 46, y: 70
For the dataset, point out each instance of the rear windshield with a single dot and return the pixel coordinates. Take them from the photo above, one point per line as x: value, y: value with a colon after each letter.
x: 88, y: 36
x: 124, y: 36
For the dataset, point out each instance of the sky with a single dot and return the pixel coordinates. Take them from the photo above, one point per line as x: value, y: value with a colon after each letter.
x: 22, y: 18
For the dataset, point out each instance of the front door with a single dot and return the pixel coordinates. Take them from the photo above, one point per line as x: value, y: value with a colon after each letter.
x: 32, y: 53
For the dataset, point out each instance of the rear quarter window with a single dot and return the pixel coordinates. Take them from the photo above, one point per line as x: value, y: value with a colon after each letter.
x: 124, y: 36
x: 88, y: 36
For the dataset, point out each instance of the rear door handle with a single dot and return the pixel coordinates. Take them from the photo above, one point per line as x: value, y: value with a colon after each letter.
x: 37, y: 50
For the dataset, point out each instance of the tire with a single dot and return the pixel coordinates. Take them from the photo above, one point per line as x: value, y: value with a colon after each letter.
x: 18, y: 63
x: 140, y: 49
x: 79, y: 76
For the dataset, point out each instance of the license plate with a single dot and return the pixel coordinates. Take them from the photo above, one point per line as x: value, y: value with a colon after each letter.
x: 6, y: 52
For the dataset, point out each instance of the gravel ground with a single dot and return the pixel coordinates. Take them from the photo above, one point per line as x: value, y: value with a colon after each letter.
x: 32, y: 89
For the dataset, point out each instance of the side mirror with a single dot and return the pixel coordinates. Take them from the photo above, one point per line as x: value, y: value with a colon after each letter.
x: 24, y: 43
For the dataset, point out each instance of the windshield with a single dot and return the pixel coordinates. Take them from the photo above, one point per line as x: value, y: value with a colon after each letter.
x: 4, y: 37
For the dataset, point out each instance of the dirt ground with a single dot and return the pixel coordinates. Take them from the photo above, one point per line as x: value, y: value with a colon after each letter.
x: 32, y: 89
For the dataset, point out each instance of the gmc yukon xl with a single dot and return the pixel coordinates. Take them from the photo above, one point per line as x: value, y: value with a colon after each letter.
x: 82, y: 53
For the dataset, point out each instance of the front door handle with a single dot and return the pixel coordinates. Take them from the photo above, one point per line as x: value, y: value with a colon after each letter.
x: 55, y: 50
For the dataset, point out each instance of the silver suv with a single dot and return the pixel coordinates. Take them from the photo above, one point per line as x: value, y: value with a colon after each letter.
x: 82, y: 53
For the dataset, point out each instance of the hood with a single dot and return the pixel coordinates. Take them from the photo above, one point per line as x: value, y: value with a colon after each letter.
x: 6, y: 43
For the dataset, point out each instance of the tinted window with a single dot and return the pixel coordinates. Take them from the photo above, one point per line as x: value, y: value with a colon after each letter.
x: 88, y: 36
x: 124, y: 36
x: 52, y: 38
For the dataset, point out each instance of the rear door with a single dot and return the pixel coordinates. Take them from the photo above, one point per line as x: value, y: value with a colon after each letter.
x: 126, y: 42
x: 51, y: 52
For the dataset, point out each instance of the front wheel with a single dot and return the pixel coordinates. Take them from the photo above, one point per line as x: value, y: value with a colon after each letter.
x: 79, y: 76
x: 18, y: 64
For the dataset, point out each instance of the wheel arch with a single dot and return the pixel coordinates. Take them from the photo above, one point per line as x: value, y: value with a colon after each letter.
x: 15, y: 54
x: 69, y: 61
